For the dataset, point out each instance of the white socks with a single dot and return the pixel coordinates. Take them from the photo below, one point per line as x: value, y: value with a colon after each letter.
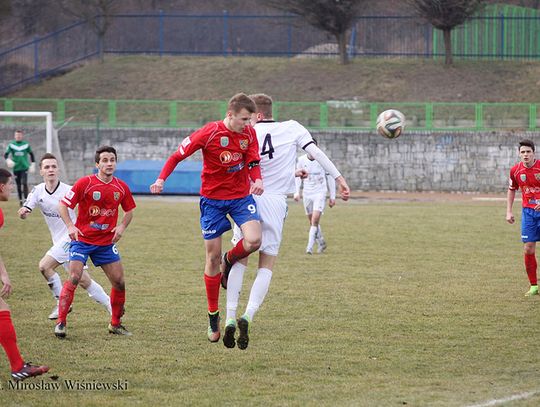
x: 234, y: 286
x: 98, y: 294
x: 55, y: 284
x: 258, y: 291
x: 311, y: 239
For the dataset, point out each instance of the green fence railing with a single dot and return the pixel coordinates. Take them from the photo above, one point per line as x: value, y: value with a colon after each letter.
x: 350, y: 115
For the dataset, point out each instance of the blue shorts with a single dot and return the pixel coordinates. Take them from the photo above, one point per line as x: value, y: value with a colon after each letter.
x: 214, y: 213
x: 99, y: 255
x: 530, y: 225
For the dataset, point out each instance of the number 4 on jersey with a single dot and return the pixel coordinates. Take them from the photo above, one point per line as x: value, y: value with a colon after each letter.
x: 267, y: 147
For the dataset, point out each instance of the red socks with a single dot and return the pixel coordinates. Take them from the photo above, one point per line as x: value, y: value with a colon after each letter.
x: 212, y: 291
x: 118, y: 299
x: 530, y: 267
x: 65, y: 301
x: 8, y: 340
x: 237, y: 252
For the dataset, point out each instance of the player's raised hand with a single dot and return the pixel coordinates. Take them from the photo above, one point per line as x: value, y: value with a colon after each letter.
x: 22, y: 212
x: 344, y: 190
x: 257, y: 187
x: 157, y: 187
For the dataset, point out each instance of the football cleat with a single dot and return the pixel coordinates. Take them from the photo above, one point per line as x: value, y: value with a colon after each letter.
x: 213, y: 327
x: 119, y: 330
x: 309, y: 251
x: 228, y: 337
x: 225, y: 270
x: 243, y: 327
x: 54, y: 313
x: 29, y: 370
x: 60, y: 330
x: 532, y: 291
x: 322, y: 246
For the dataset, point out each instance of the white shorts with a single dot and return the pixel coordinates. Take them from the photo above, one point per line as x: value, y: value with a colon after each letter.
x: 273, y: 211
x: 60, y: 251
x: 314, y: 203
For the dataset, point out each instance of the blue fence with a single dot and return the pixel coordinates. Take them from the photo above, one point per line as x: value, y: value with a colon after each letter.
x: 502, y: 32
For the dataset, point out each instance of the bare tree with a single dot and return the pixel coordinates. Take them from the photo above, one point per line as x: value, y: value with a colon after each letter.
x: 97, y: 13
x: 446, y: 15
x: 333, y: 16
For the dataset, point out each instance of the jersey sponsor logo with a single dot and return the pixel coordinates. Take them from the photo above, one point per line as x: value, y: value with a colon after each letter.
x: 116, y: 196
x: 225, y: 157
x: 99, y: 226
x: 532, y: 190
x: 523, y: 177
x: 50, y: 214
x: 70, y: 194
x: 95, y: 210
x: 224, y: 141
x: 236, y: 156
x: 96, y: 195
x: 244, y: 144
x: 236, y: 167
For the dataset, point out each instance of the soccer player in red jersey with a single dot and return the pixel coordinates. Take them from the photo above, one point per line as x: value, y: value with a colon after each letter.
x: 8, y: 338
x: 95, y: 234
x: 526, y: 175
x: 229, y: 176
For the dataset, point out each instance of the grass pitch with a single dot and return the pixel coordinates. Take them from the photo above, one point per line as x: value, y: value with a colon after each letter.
x: 417, y: 304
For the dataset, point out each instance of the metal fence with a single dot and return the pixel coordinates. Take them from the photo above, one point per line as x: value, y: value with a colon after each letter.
x: 352, y: 115
x: 501, y: 32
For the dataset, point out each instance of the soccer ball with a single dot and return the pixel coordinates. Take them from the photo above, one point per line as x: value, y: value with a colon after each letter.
x: 390, y: 123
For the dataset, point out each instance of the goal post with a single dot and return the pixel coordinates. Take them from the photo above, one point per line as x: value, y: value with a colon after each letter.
x: 48, y: 124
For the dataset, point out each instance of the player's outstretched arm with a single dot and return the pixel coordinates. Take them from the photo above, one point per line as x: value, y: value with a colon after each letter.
x: 120, y: 229
x: 6, y: 283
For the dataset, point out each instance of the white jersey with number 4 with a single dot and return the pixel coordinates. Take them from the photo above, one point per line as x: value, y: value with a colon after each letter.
x: 278, y: 143
x: 48, y: 204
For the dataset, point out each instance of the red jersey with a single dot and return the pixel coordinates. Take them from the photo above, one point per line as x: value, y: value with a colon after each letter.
x: 98, y: 207
x: 528, y: 179
x: 1, y: 218
x: 226, y: 158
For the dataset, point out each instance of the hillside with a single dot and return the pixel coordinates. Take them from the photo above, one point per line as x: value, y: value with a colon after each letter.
x: 217, y: 78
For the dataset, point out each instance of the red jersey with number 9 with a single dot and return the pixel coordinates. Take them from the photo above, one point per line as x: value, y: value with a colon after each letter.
x: 98, y: 202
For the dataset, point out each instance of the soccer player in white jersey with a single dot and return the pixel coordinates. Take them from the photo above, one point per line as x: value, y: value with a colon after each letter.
x: 278, y: 143
x: 46, y: 196
x: 316, y: 185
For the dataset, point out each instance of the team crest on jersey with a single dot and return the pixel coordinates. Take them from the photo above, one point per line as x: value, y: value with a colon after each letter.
x: 244, y: 144
x: 224, y: 141
x: 116, y: 196
x: 522, y: 177
x: 96, y: 195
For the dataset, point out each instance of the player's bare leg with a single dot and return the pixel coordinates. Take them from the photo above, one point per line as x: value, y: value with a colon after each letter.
x: 115, y: 273
x: 529, y: 249
x: 212, y: 279
x: 66, y: 296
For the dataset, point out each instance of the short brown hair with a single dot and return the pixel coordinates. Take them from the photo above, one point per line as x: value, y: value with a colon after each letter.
x: 263, y: 103
x: 105, y: 149
x: 241, y: 101
x: 5, y: 175
x: 46, y: 156
x: 526, y: 143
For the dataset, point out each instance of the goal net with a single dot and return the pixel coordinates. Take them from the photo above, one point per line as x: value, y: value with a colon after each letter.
x: 39, y: 131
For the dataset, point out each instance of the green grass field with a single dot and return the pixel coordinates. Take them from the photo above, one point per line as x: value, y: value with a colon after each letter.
x: 417, y: 304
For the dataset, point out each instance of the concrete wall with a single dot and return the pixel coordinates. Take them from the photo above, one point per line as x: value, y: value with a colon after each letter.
x: 459, y: 162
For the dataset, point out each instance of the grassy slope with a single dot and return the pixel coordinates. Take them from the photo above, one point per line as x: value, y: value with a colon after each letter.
x: 377, y: 79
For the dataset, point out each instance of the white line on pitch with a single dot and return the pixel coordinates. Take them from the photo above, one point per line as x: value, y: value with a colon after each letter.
x: 495, y: 402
